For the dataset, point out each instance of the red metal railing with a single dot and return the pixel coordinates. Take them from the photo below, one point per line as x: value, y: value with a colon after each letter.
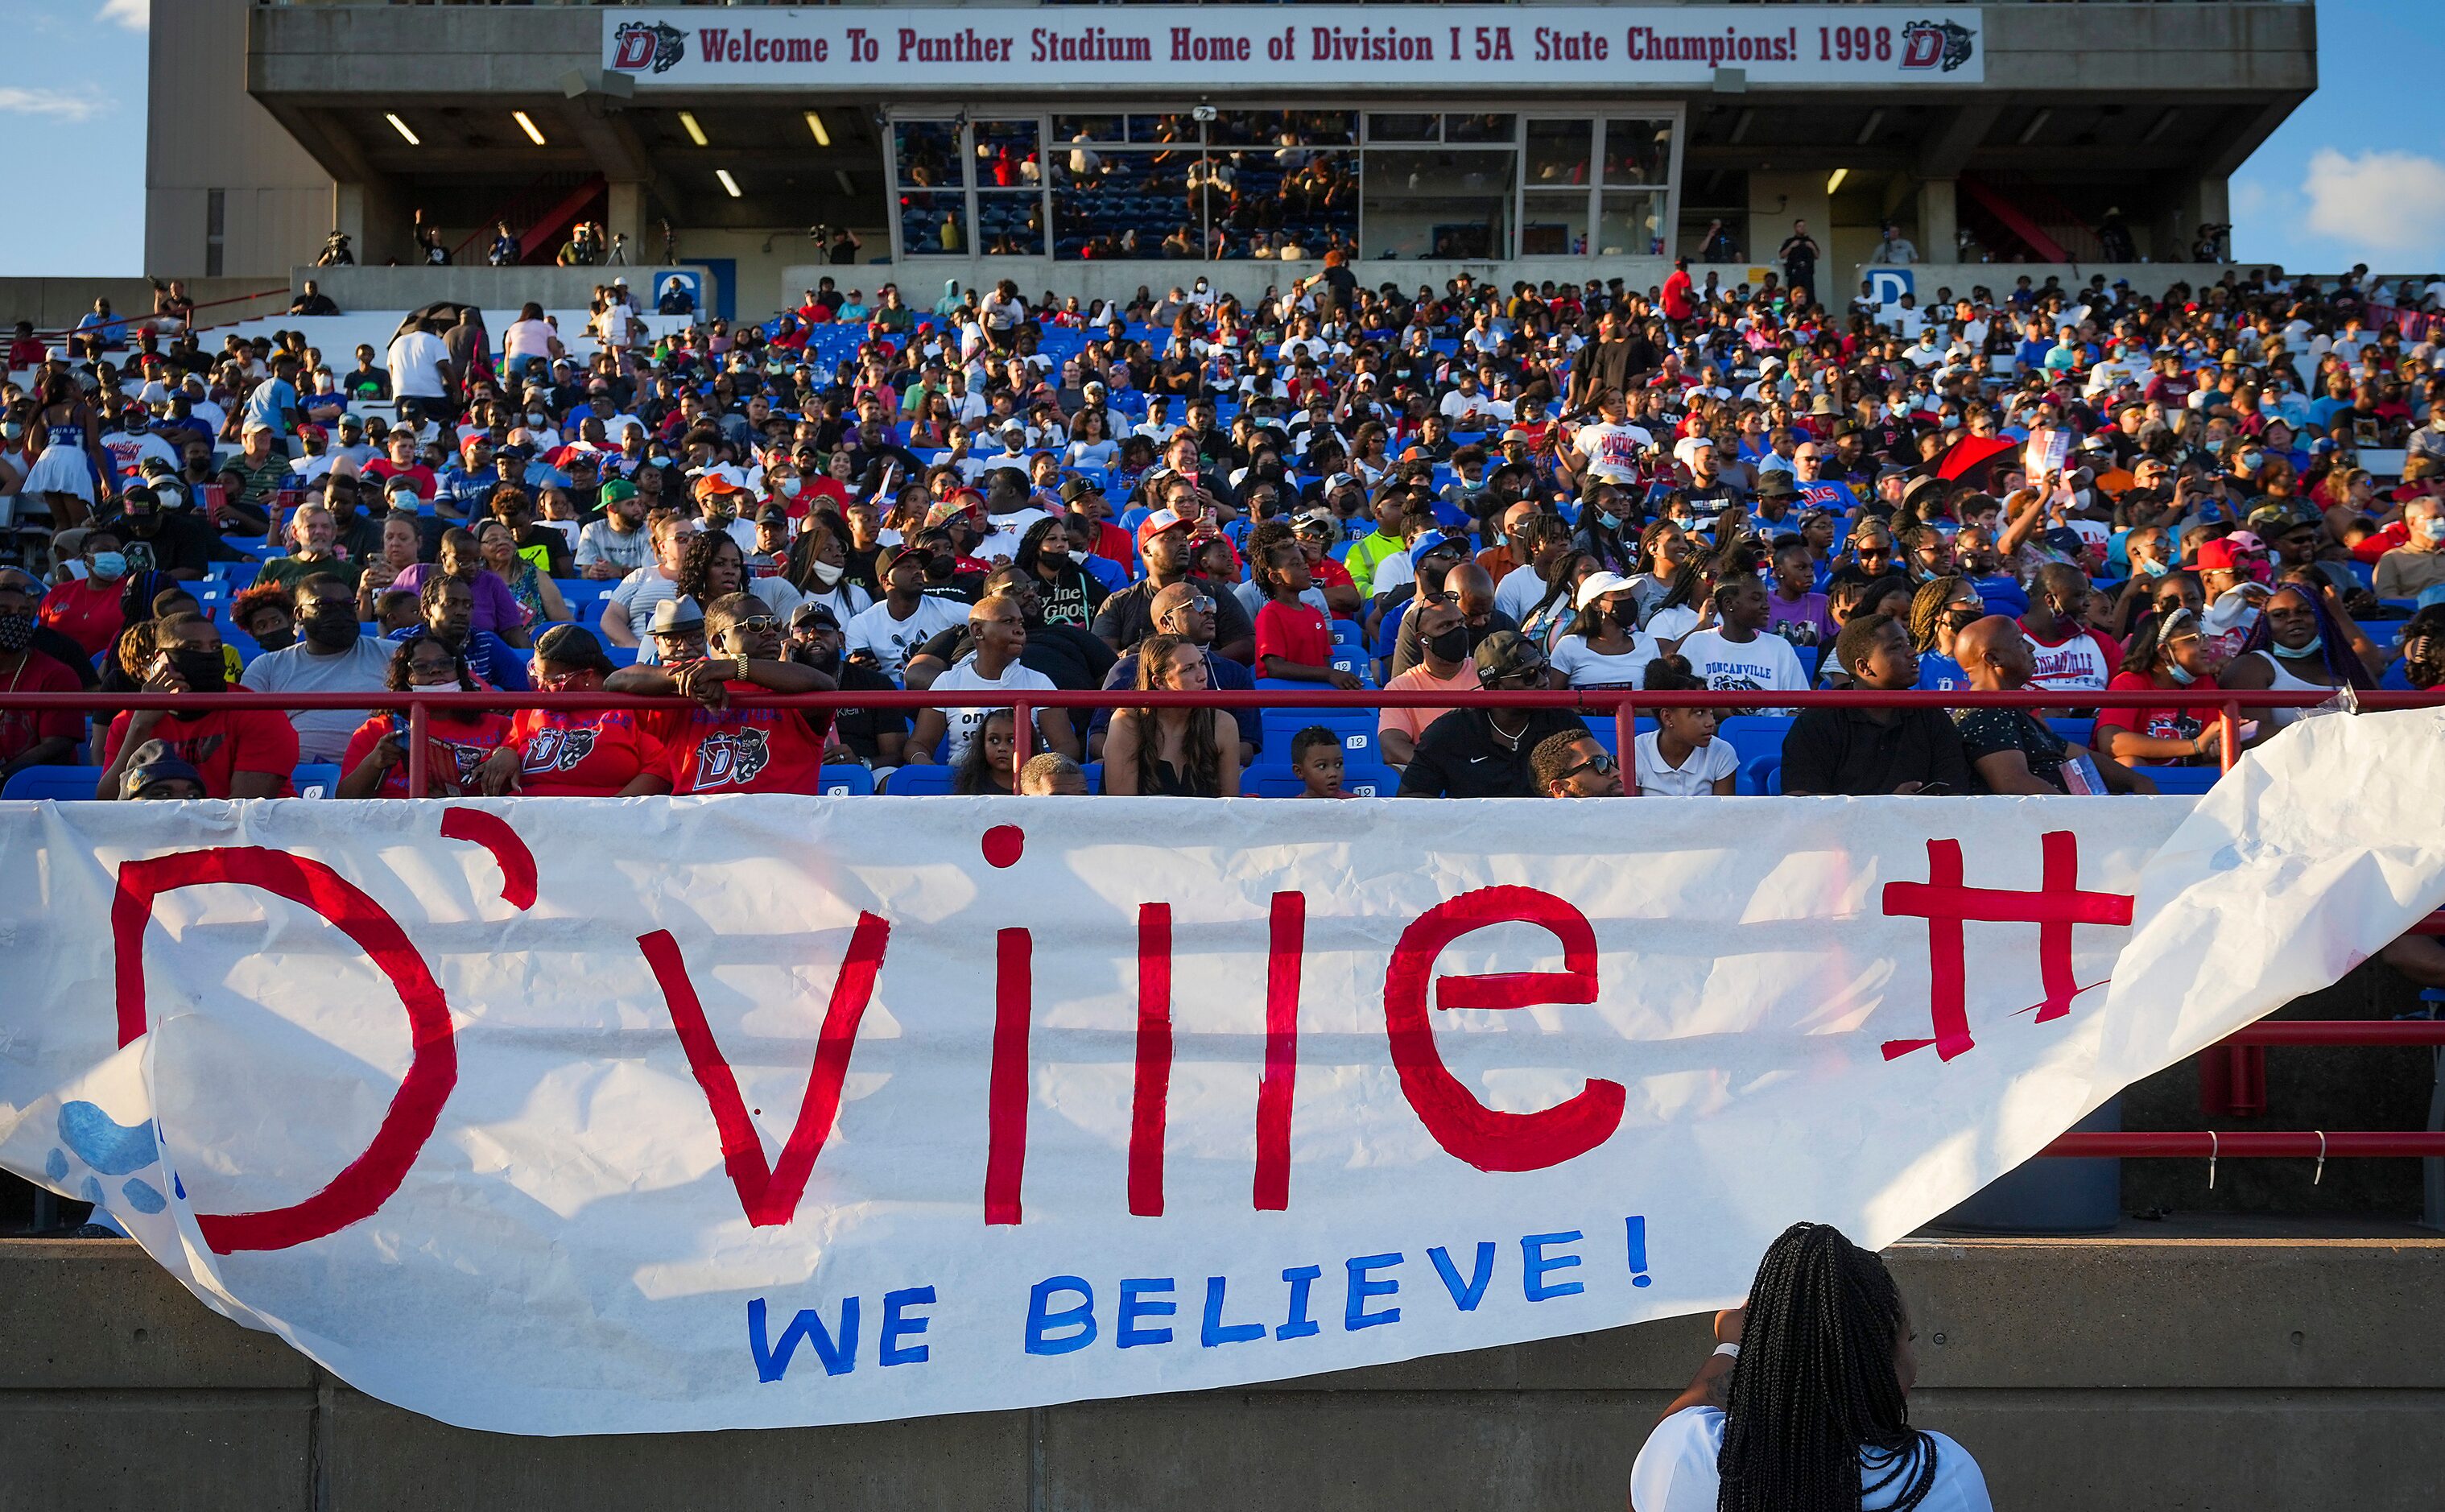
x: 1622, y: 703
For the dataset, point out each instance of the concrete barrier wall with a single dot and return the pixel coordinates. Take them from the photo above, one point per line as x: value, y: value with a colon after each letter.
x: 58, y: 304
x: 365, y: 288
x: 2101, y: 1375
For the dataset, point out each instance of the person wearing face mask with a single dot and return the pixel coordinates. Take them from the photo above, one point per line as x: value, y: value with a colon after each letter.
x: 2168, y: 652
x: 891, y: 630
x: 1070, y: 596
x: 816, y: 566
x: 1446, y: 663
x: 30, y: 738
x: 333, y: 655
x: 2308, y: 649
x: 87, y: 609
x: 2417, y: 565
x: 869, y: 737
x: 239, y: 753
x: 457, y: 741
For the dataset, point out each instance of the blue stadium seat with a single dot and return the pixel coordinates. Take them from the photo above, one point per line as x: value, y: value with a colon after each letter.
x: 2181, y: 779
x: 59, y: 784
x: 1754, y: 734
x: 931, y: 779
x: 2079, y: 732
x: 1762, y: 776
x: 848, y: 780
x: 316, y: 779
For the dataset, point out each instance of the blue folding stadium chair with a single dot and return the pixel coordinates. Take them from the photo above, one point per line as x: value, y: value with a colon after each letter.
x: 928, y: 780
x: 1808, y: 655
x: 2079, y: 732
x: 1752, y: 736
x: 316, y: 779
x: 848, y: 780
x: 1370, y: 780
x: 1271, y: 782
x: 2397, y: 679
x: 57, y: 784
x: 2181, y: 779
x: 1762, y: 776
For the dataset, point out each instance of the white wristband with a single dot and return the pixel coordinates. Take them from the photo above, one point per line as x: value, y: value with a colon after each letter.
x: 1731, y: 1350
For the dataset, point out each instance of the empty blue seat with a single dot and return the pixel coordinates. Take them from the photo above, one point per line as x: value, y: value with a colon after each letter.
x: 1762, y: 776
x: 58, y: 784
x: 2079, y: 732
x: 2181, y: 779
x: 848, y: 780
x: 315, y: 779
x: 1752, y: 736
x: 931, y: 779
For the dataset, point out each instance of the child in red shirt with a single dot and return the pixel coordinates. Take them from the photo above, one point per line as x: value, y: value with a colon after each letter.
x: 1292, y: 641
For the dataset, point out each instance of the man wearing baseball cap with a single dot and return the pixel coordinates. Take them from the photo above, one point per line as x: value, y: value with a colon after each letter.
x: 1127, y: 617
x: 1486, y: 753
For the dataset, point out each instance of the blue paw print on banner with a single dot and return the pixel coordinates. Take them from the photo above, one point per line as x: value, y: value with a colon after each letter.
x: 112, y: 1149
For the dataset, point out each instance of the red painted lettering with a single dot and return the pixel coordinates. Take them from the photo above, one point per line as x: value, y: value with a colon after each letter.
x: 360, y: 1190
x: 1151, y: 1091
x: 1464, y: 1127
x: 1286, y: 950
x: 1006, y: 1090
x: 769, y: 1193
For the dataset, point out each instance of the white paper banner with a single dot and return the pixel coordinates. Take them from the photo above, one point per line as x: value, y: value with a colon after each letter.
x: 1150, y: 48
x: 572, y: 1117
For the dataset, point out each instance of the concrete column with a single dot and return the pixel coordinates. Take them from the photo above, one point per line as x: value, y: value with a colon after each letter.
x: 625, y: 216
x: 348, y: 214
x: 1938, y: 221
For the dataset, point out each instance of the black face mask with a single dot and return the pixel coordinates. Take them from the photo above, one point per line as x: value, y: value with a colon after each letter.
x: 202, y: 671
x: 334, y: 629
x: 16, y: 632
x: 1451, y: 645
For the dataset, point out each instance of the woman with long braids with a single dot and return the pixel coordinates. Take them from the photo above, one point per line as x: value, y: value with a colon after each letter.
x: 1803, y: 1407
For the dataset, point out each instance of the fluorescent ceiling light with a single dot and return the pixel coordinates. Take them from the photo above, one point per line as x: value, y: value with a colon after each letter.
x: 727, y: 183
x: 400, y: 126
x: 526, y: 125
x: 1836, y: 182
x: 696, y: 133
x: 815, y: 124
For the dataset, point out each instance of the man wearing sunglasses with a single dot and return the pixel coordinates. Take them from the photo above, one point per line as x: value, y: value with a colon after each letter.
x: 1573, y: 766
x: 1874, y: 560
x: 721, y: 747
x: 1487, y: 753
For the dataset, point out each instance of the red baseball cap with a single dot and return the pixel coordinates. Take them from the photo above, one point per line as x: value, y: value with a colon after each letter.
x: 2222, y: 557
x: 1156, y: 523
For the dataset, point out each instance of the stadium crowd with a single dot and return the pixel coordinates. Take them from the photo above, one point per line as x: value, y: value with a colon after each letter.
x: 1477, y: 487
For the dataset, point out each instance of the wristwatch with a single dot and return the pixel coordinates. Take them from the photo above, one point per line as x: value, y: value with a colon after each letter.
x: 742, y: 670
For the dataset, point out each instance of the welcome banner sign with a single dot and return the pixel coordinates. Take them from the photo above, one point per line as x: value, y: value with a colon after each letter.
x: 572, y: 1117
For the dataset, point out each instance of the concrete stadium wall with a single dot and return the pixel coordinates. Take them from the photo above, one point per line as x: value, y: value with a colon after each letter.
x: 58, y: 303
x: 2101, y: 1374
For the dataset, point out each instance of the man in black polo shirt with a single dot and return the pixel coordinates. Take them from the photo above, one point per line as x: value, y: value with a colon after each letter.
x: 1487, y: 753
x: 1127, y: 617
x: 1863, y: 751
x: 872, y: 736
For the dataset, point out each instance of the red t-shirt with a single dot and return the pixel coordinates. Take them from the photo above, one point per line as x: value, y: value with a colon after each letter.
x: 22, y: 729
x: 579, y: 753
x: 2171, y: 722
x: 457, y: 750
x: 1327, y: 573
x: 87, y: 611
x: 221, y: 744
x: 736, y: 750
x: 1294, y: 632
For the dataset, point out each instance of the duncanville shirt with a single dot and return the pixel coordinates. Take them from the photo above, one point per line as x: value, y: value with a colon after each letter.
x: 220, y: 744
x: 742, y: 750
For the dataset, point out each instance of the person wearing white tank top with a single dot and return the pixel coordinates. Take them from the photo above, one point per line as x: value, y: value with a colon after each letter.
x: 2307, y: 652
x: 1803, y: 1407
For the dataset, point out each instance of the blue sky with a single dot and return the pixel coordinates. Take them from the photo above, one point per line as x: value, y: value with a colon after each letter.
x: 2357, y: 175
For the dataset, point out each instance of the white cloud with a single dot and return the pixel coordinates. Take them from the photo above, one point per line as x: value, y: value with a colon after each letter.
x: 2388, y: 201
x: 136, y: 16
x: 14, y: 101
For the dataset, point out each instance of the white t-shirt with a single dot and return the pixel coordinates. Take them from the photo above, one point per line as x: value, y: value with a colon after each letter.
x: 1589, y: 668
x: 1006, y: 532
x: 415, y: 359
x: 893, y: 642
x: 1613, y: 451
x: 1518, y: 593
x: 1708, y: 765
x: 1675, y: 1471
x: 1766, y: 664
x: 636, y: 597
x: 963, y: 724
